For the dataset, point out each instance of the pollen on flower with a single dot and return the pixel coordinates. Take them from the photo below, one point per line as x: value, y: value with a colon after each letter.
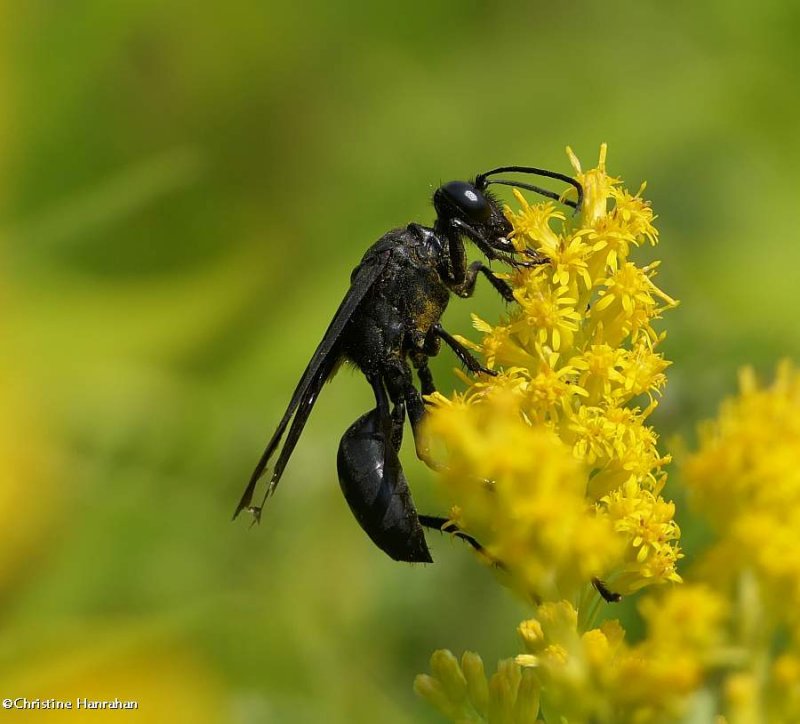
x: 546, y: 314
x: 532, y: 224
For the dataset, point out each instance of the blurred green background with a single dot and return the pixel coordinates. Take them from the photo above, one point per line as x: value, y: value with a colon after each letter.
x: 184, y: 189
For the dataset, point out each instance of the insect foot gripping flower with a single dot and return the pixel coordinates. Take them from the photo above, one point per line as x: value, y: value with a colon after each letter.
x: 551, y: 464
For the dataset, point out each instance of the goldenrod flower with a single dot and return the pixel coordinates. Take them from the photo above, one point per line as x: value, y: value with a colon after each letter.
x: 462, y: 693
x: 746, y: 480
x: 552, y: 462
x: 527, y: 505
x: 646, y: 521
x: 552, y: 466
x: 596, y: 676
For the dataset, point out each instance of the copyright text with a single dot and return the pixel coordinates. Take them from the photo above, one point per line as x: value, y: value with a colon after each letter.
x: 82, y: 703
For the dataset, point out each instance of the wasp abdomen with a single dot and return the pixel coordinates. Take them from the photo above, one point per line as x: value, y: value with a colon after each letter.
x: 377, y: 492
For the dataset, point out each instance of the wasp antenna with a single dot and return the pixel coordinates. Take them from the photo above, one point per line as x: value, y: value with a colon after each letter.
x: 538, y: 190
x: 482, y: 181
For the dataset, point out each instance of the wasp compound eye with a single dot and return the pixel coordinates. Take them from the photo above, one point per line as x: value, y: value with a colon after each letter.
x: 468, y: 199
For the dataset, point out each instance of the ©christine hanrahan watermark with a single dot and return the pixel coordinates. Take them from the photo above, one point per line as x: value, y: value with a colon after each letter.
x: 77, y: 704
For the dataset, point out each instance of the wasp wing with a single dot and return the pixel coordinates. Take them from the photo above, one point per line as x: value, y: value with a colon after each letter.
x: 322, y: 364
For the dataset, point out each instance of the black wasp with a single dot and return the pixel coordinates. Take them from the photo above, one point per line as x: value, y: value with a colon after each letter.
x: 390, y: 317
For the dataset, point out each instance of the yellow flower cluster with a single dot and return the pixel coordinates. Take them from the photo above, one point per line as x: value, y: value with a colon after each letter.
x: 521, y: 492
x: 745, y: 480
x: 594, y: 676
x: 552, y: 464
x: 462, y: 693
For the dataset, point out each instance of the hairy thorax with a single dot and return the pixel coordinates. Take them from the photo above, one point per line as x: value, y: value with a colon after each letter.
x: 404, y: 303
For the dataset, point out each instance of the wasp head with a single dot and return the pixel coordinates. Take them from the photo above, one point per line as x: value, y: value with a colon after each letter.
x: 475, y: 208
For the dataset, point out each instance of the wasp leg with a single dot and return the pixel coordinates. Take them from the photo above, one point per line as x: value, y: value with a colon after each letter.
x: 608, y: 595
x: 397, y: 375
x: 385, y: 417
x: 536, y: 257
x: 420, y: 362
x: 444, y: 525
x: 398, y: 420
x: 467, y: 289
x: 461, y: 227
x: 462, y: 352
x: 392, y: 423
x: 426, y: 379
x: 460, y: 278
